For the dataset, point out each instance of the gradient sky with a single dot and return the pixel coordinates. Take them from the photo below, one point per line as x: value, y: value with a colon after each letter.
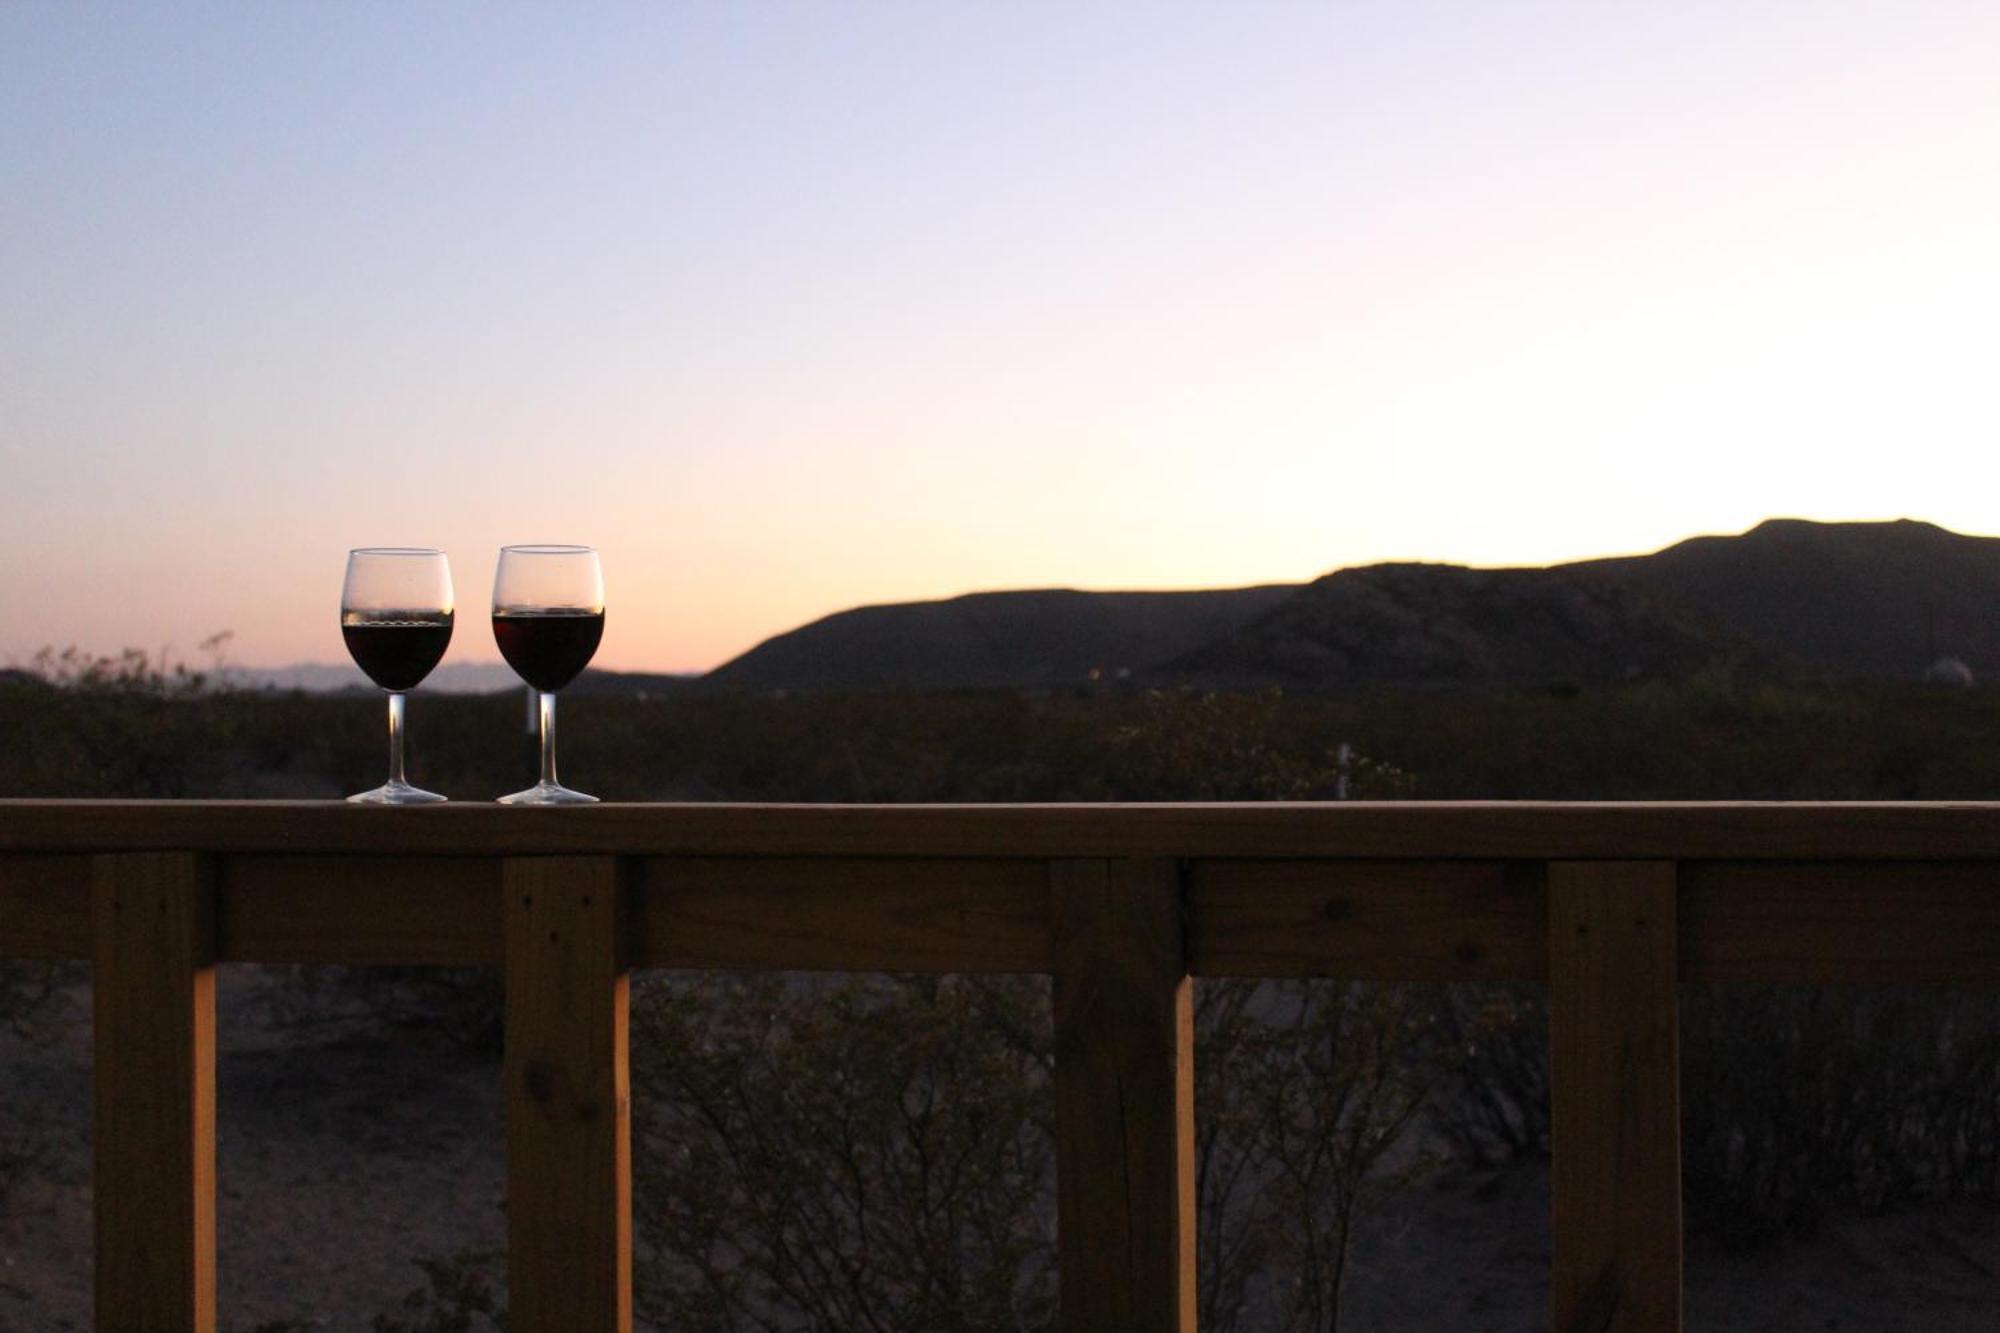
x: 790, y: 307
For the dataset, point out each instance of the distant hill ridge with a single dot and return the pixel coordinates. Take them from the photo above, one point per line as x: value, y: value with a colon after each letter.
x: 1043, y: 637
x: 1791, y: 596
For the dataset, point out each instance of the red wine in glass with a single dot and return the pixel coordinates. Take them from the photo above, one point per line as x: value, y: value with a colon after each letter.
x: 548, y: 649
x: 548, y: 616
x: 396, y: 610
x: 397, y: 653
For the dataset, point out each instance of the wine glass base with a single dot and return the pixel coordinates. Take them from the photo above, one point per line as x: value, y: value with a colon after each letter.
x: 396, y: 793
x: 548, y: 793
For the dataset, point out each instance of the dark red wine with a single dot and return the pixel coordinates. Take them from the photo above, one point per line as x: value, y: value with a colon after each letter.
x: 399, y: 651
x: 548, y: 648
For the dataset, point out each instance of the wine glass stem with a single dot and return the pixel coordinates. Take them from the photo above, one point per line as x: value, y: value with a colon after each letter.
x: 396, y: 739
x: 547, y: 702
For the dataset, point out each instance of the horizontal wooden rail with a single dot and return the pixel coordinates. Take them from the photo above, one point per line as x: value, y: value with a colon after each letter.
x: 1440, y: 830
x: 1608, y: 905
x: 1841, y: 922
x: 1370, y: 920
x: 1829, y: 923
x: 853, y: 914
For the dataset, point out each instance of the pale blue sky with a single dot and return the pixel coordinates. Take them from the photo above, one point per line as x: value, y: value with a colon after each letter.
x: 792, y: 307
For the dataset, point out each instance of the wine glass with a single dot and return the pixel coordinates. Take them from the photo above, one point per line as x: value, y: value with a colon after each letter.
x: 548, y: 616
x: 395, y: 613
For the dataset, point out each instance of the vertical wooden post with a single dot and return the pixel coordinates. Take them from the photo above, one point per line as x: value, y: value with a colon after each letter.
x: 568, y: 1096
x: 153, y: 1138
x: 1615, y: 1180
x: 1124, y: 1086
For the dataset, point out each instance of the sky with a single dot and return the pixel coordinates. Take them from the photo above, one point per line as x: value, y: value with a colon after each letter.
x: 793, y: 307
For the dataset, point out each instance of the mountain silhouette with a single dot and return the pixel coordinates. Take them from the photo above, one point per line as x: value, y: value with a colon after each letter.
x: 1040, y: 638
x: 1858, y: 600
x: 1409, y: 624
x: 1790, y: 597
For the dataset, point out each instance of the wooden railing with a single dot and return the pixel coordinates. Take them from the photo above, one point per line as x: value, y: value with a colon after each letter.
x: 1610, y: 906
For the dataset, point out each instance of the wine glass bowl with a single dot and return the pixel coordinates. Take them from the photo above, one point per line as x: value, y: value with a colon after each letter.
x: 548, y: 649
x: 396, y: 611
x: 548, y: 618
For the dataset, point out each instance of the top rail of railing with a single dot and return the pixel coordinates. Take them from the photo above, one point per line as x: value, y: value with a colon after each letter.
x: 1389, y: 830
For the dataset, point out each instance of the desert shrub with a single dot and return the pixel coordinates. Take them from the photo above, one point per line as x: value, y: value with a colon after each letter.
x: 1306, y: 1093
x: 878, y: 1151
x: 1490, y: 1072
x: 1795, y: 1101
x: 862, y: 1152
x: 1186, y: 745
x: 127, y: 726
x: 83, y: 725
x: 1799, y: 1101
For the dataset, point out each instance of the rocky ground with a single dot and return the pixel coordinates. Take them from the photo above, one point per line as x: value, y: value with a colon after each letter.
x: 341, y: 1161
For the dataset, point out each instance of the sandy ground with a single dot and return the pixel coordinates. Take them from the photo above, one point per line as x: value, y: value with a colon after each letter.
x: 335, y: 1165
x: 340, y: 1163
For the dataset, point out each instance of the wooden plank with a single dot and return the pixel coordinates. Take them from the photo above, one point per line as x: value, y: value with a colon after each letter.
x: 1124, y: 1085
x: 360, y: 910
x: 1841, y: 923
x: 568, y: 1096
x: 1342, y: 830
x: 1827, y: 923
x: 45, y: 905
x: 1369, y: 920
x: 840, y: 914
x: 154, y: 1098
x: 1615, y: 1178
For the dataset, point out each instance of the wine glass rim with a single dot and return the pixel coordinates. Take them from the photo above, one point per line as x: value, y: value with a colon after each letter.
x: 394, y: 550
x: 548, y: 548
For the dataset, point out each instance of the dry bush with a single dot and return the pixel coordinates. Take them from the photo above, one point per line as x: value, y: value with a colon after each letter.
x: 855, y: 1153
x: 877, y: 1152
x: 1799, y: 1101
x: 1490, y: 1063
x: 1306, y: 1093
x: 1795, y: 1101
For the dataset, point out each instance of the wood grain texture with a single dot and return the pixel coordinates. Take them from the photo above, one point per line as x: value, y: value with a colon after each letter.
x: 364, y: 910
x: 1842, y: 923
x: 844, y: 914
x: 1830, y: 922
x: 1614, y: 1066
x: 45, y: 905
x: 1124, y: 1085
x: 1369, y: 920
x: 153, y: 1132
x: 1359, y: 830
x: 567, y: 1096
